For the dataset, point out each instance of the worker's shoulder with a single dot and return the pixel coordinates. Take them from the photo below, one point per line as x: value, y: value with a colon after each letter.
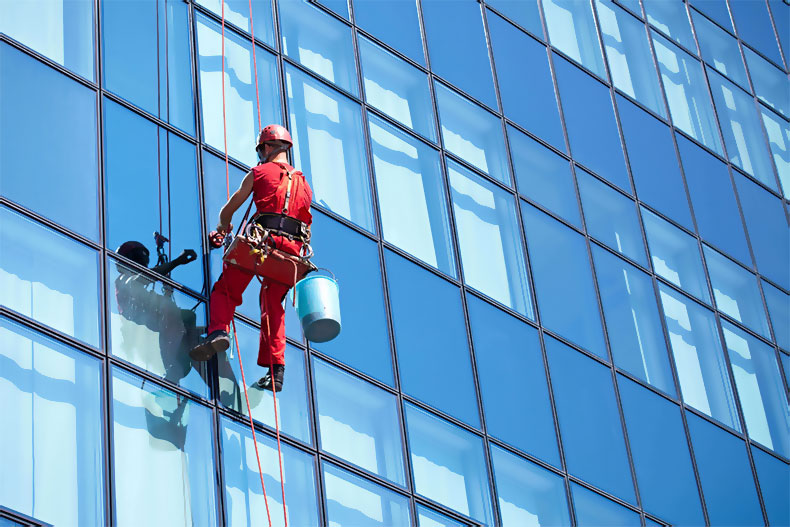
x: 273, y: 168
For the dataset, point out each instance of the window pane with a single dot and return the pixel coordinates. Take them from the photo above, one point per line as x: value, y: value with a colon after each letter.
x: 358, y: 422
x: 699, y: 360
x: 328, y: 147
x: 472, y: 133
x: 397, y: 88
x: 778, y: 132
x: 448, y: 464
x: 563, y: 281
x: 720, y: 49
x: 715, y: 9
x: 411, y: 193
x: 524, y: 77
x: 528, y: 494
x: 671, y: 18
x: 509, y: 361
x: 489, y: 239
x: 526, y: 14
x: 779, y: 310
x: 424, y: 349
x: 684, y: 85
x: 589, y: 117
x: 238, y: 12
x: 774, y: 486
x: 429, y: 518
x: 754, y: 27
x: 49, y: 277
x: 590, y: 428
x: 594, y: 509
x: 760, y: 389
x: 675, y: 255
x: 458, y: 48
x: 629, y: 57
x: 45, y: 383
x: 61, y: 30
x: 338, y: 6
x: 31, y: 102
x: 244, y: 503
x: 395, y: 22
x: 351, y: 500
x: 162, y: 455
x: 633, y: 320
x: 572, y: 30
x: 770, y: 83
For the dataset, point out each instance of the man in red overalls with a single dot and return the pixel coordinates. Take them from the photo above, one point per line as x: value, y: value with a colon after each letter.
x: 274, y: 185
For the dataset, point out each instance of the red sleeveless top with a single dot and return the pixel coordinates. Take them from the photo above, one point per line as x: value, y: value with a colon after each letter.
x: 270, y: 185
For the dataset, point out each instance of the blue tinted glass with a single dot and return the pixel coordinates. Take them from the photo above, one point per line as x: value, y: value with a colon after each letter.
x: 338, y: 6
x: 699, y: 359
x: 238, y: 12
x: 720, y: 49
x: 779, y: 309
x: 31, y: 102
x: 448, y: 464
x: 61, y: 30
x: 611, y: 217
x: 654, y: 164
x: 472, y: 133
x: 589, y: 420
x: 594, y: 509
x: 489, y: 239
x: 592, y: 130
x: 671, y: 18
x: 571, y: 29
x: 424, y: 349
x: 53, y: 472
x: 429, y: 518
x: 675, y: 255
x: 774, y: 485
x: 397, y: 88
x: 661, y: 456
x: 241, y: 112
x: 163, y: 454
x: 684, y: 85
x: 351, y: 500
x: 524, y: 78
x: 509, y: 361
x: 544, y: 176
x: 785, y: 360
x: 395, y: 22
x: 770, y: 83
x: 781, y: 18
x: 633, y: 320
x: 49, y: 277
x: 629, y: 57
x: 358, y: 422
x: 147, y: 58
x: 760, y: 389
x: 244, y: 505
x: 328, y: 147
x: 768, y: 230
x: 412, y: 196
x: 319, y: 42
x: 754, y: 27
x: 526, y: 14
x: 715, y: 9
x: 778, y: 132
x: 458, y: 48
x: 725, y: 475
x: 528, y: 494
x: 563, y: 280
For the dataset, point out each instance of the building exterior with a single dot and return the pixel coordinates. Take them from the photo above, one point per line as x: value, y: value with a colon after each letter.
x: 560, y: 231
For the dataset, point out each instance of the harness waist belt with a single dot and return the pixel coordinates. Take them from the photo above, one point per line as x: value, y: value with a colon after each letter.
x: 282, y: 225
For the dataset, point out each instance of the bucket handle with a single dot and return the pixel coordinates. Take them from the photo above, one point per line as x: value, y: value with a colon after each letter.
x: 327, y: 270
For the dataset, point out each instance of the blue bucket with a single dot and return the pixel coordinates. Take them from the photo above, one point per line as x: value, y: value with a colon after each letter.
x: 318, y: 307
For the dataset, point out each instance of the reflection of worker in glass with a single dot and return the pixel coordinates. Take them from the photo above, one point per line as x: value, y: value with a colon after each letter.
x: 282, y: 198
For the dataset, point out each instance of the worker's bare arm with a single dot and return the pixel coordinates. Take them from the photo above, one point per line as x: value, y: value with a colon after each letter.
x: 236, y: 200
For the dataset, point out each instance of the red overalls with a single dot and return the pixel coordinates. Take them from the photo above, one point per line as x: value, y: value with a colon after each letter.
x: 268, y: 192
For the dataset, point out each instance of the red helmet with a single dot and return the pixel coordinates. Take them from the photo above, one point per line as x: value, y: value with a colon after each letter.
x: 275, y: 133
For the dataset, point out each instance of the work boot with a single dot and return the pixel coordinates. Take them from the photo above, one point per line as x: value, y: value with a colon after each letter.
x: 214, y: 342
x: 279, y: 377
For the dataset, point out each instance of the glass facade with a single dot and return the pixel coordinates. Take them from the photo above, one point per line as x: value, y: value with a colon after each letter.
x: 560, y: 228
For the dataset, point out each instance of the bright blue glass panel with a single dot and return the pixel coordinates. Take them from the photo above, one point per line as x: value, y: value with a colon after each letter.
x: 611, y: 217
x: 412, y: 197
x: 238, y: 12
x: 754, y: 27
x: 429, y: 518
x: 779, y: 309
x: 509, y: 361
x: 472, y: 133
x: 760, y: 389
x: 163, y: 454
x: 244, y: 501
x: 395, y: 22
x: 671, y: 18
x: 629, y: 57
x: 430, y: 337
x: 489, y: 239
x: 770, y: 83
x: 661, y: 456
x: 526, y: 14
x: 328, y: 146
x: 358, y: 422
x: 699, y: 358
x: 778, y: 132
x: 524, y: 78
x: 338, y: 6
x: 633, y: 320
x: 774, y: 485
x: 32, y: 104
x: 448, y: 464
x: 725, y: 475
x: 49, y: 277
x: 351, y: 500
x: 528, y: 494
x: 592, y: 437
x: 715, y: 9
x: 53, y: 473
x: 544, y: 176
x: 594, y: 509
x: 720, y: 49
x: 563, y: 280
x: 458, y: 48
x: 781, y: 18
x: 571, y: 29
x: 592, y: 130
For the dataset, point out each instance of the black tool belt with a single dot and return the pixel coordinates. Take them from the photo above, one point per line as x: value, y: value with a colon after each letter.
x: 282, y: 225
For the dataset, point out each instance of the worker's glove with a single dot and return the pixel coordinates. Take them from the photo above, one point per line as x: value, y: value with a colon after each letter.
x: 215, y: 239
